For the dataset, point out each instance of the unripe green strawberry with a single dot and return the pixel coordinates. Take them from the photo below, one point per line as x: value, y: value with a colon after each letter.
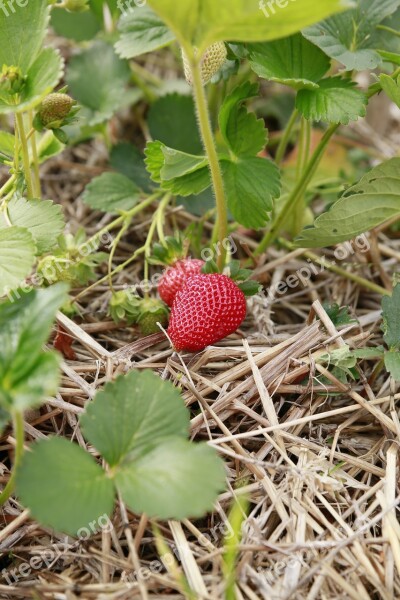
x: 124, y: 306
x: 54, y: 109
x: 211, y: 62
x: 152, y: 311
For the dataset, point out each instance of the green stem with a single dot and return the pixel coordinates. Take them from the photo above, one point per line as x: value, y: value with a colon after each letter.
x: 147, y: 246
x: 25, y: 155
x: 211, y: 151
x: 35, y: 160
x: 298, y: 191
x: 389, y: 30
x: 18, y: 426
x: 285, y: 139
x: 116, y: 241
x: 369, y: 285
x: 7, y: 186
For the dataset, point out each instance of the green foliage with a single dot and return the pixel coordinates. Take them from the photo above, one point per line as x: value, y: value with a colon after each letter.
x: 141, y: 31
x: 244, y: 134
x: 139, y: 424
x: 75, y: 26
x: 391, y: 87
x: 362, y: 207
x: 334, y: 101
x: 163, y: 117
x: 351, y: 37
x: 42, y: 218
x: 98, y: 80
x: 111, y: 192
x: 129, y: 160
x: 291, y: 61
x: 17, y: 257
x: 27, y: 373
x: 391, y: 328
x: 201, y: 22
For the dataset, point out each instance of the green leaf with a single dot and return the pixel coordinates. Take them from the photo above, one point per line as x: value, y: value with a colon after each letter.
x: 334, y: 101
x: 391, y: 319
x: 42, y: 77
x: 176, y: 480
x: 392, y: 364
x: 132, y: 414
x: 242, y: 131
x: 181, y: 173
x: 17, y: 256
x: 362, y: 207
x: 251, y: 184
x: 291, y: 61
x: 7, y: 141
x: 22, y: 32
x: 97, y: 79
x: 129, y: 160
x: 163, y: 117
x: 391, y: 87
x: 350, y: 37
x: 111, y: 192
x: 75, y: 26
x: 63, y: 487
x: 43, y: 219
x: 141, y: 31
x: 201, y: 22
x: 27, y: 374
x: 49, y: 146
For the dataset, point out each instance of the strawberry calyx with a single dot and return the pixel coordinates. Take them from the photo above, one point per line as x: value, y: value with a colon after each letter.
x: 240, y: 276
x: 168, y: 253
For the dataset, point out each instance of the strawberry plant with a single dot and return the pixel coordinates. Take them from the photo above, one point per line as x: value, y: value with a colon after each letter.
x: 167, y: 170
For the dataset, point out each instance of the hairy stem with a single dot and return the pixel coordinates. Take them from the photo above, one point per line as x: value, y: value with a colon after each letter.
x: 35, y: 160
x: 285, y: 139
x: 211, y: 151
x: 25, y: 155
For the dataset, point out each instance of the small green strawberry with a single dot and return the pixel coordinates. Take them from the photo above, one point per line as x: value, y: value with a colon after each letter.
x: 152, y: 311
x: 54, y: 109
x: 77, y: 6
x: 124, y: 306
x: 11, y: 80
x: 211, y: 62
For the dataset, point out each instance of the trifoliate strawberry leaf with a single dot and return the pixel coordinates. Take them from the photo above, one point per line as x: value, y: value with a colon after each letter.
x: 63, y: 487
x: 177, y: 480
x: 351, y: 37
x: 43, y: 75
x: 291, y: 61
x: 98, y: 80
x: 111, y: 192
x: 181, y: 173
x: 43, y: 219
x: 334, y: 101
x: 362, y: 207
x: 392, y: 364
x: 162, y: 119
x: 201, y: 22
x: 251, y: 184
x: 17, y: 256
x: 22, y: 32
x: 391, y: 319
x: 133, y: 414
x: 242, y: 131
x: 391, y: 87
x: 141, y: 31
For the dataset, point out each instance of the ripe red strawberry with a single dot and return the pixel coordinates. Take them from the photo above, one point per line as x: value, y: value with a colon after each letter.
x: 175, y: 276
x: 207, y: 309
